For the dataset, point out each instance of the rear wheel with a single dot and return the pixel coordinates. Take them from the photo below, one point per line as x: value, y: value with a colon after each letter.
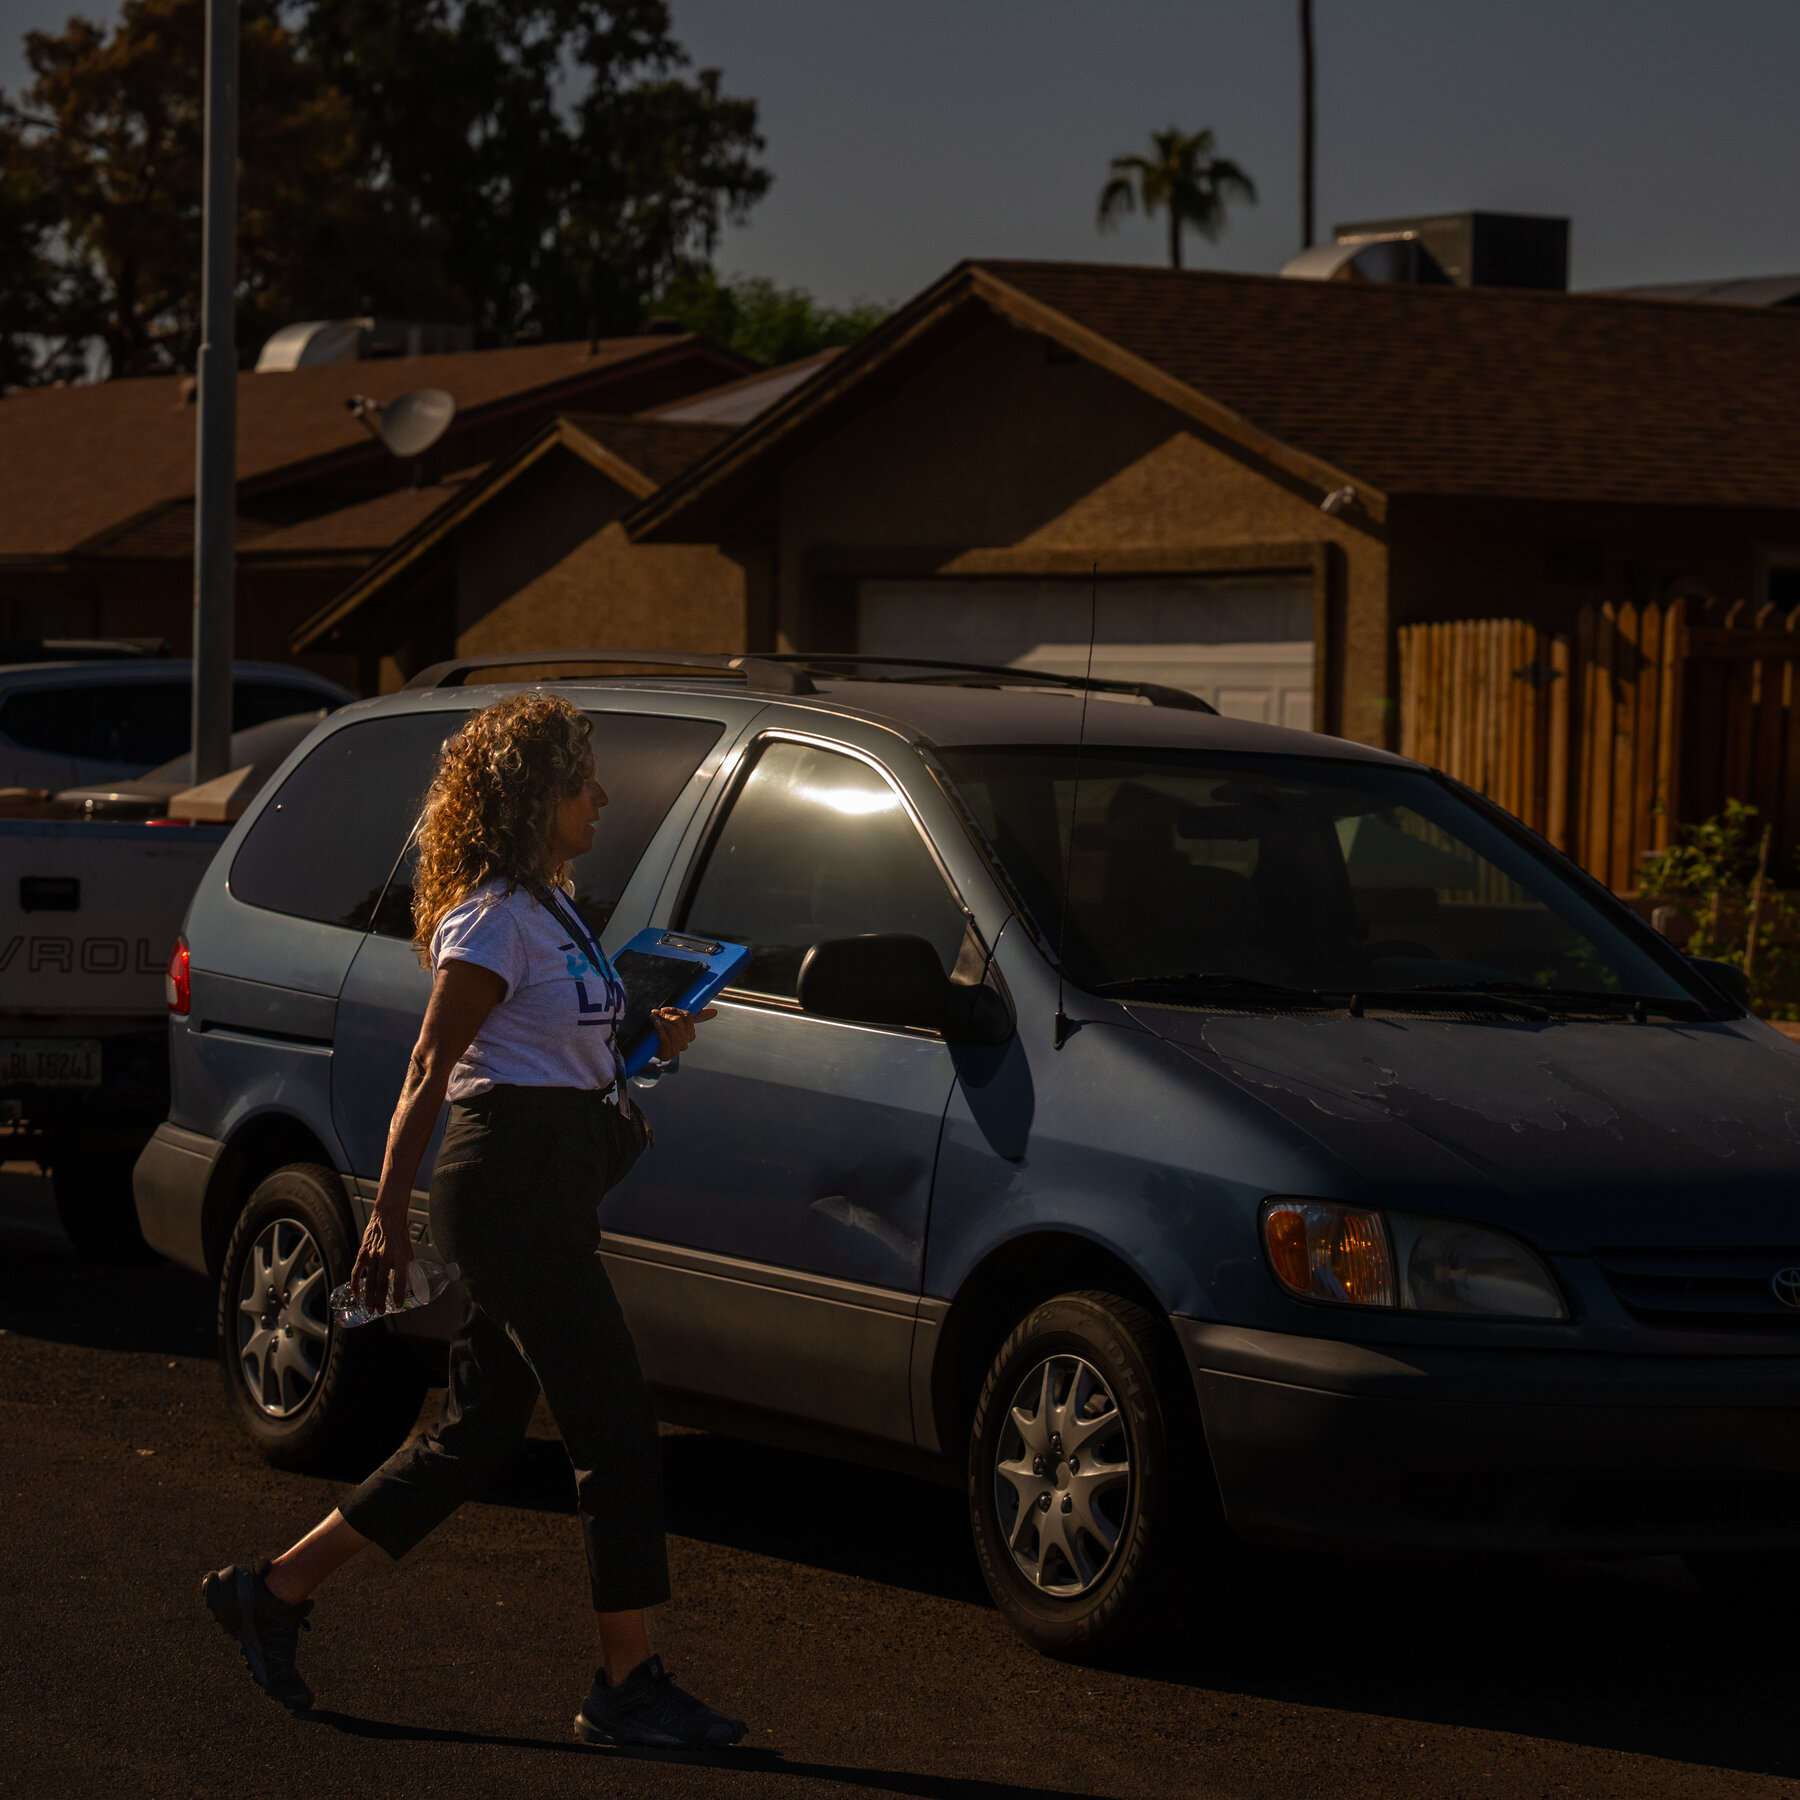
x: 95, y: 1206
x: 1084, y: 1493
x: 310, y: 1395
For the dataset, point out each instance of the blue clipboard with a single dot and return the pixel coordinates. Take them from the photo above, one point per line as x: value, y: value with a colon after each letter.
x: 668, y: 968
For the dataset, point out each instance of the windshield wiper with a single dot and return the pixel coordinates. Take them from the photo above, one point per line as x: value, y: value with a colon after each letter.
x: 1477, y: 993
x: 1582, y: 996
x: 1245, y: 988
x: 1151, y: 987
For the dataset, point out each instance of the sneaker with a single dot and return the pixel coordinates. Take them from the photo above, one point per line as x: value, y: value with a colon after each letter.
x: 267, y: 1630
x: 648, y: 1708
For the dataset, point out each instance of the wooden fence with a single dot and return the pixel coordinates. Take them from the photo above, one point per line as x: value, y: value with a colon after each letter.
x: 1605, y: 736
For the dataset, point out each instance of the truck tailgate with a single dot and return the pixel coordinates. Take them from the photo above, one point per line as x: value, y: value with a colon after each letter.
x: 89, y: 911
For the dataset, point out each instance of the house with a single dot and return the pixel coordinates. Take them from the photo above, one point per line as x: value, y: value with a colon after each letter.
x: 97, y: 482
x: 532, y: 551
x: 1266, y: 489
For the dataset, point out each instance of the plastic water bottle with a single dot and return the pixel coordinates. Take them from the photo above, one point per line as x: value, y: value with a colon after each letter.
x: 424, y: 1279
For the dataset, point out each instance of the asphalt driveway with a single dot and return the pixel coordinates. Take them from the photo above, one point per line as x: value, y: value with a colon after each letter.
x: 837, y: 1609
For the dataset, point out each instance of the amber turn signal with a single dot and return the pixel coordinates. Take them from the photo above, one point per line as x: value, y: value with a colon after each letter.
x: 1328, y: 1252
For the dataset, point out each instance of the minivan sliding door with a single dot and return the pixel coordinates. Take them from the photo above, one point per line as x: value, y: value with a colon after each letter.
x: 768, y: 1251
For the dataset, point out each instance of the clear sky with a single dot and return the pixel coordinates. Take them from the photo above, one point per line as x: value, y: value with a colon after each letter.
x: 906, y: 134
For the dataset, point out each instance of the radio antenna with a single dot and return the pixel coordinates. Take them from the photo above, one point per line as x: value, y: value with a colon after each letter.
x: 1061, y: 1034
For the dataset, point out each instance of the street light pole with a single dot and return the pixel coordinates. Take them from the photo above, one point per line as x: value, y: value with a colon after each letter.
x: 215, y: 448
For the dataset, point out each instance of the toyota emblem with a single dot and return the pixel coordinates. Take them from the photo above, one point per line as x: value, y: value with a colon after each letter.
x: 1785, y: 1285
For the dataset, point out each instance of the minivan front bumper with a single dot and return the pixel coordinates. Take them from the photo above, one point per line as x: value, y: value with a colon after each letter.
x: 1346, y: 1446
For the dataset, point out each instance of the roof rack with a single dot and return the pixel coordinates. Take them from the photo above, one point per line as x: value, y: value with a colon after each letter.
x: 791, y: 672
x: 932, y: 670
x: 763, y: 675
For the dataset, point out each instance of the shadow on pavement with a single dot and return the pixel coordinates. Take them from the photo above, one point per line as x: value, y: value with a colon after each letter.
x: 893, y: 1529
x: 47, y: 1292
x: 725, y: 1762
x: 1628, y: 1657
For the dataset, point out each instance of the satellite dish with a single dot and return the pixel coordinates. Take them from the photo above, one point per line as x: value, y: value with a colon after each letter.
x: 410, y: 425
x: 413, y: 423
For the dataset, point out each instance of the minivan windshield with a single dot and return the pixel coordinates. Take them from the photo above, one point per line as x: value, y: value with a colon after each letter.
x: 1200, y: 873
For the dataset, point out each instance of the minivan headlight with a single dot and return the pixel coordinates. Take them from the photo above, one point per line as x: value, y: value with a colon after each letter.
x: 1356, y: 1256
x: 1449, y: 1267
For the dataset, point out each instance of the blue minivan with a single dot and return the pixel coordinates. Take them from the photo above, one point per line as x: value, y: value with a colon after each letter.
x: 1175, y: 1130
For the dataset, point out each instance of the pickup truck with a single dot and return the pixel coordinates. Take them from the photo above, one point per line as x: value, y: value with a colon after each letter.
x: 94, y: 882
x: 88, y: 912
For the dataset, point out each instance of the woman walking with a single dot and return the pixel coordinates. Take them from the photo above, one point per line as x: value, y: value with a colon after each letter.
x: 519, y: 1035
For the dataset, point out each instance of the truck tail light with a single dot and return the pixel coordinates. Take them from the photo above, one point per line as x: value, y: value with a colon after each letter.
x: 177, y: 989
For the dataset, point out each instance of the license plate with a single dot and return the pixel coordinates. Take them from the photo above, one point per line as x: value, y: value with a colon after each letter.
x: 50, y: 1062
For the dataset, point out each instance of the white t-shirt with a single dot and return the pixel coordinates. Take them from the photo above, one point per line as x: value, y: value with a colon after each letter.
x: 553, y: 1028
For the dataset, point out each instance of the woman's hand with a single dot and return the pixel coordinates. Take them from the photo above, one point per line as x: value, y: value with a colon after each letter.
x: 675, y: 1029
x: 381, y: 1259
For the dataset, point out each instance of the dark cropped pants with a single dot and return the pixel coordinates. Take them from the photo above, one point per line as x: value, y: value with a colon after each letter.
x: 513, y: 1199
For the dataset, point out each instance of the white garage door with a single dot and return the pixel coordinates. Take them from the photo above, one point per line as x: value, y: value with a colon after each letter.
x: 1242, y: 643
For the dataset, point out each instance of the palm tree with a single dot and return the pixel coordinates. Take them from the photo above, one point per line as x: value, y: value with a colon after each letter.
x: 1308, y: 134
x: 1182, y: 174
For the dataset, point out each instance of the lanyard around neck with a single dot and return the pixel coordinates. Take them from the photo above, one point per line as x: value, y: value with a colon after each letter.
x: 587, y: 942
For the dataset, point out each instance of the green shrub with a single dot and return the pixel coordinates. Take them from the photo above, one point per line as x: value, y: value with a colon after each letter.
x: 1710, y: 874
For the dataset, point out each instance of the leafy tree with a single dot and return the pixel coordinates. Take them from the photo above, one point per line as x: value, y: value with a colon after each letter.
x: 1181, y: 176
x: 757, y: 319
x: 46, y: 310
x: 559, y: 219
x: 111, y: 132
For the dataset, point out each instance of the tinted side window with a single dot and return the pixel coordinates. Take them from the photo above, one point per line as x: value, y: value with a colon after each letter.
x: 118, y: 721
x: 324, y: 848
x: 148, y: 722
x: 142, y: 722
x: 59, y: 720
x: 257, y: 702
x: 818, y: 846
x: 645, y: 761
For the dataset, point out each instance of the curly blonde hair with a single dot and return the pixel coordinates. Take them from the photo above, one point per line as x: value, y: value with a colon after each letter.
x: 493, y: 800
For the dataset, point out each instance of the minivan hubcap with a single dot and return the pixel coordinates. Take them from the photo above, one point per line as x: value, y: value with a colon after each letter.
x: 283, y: 1321
x: 1062, y: 1476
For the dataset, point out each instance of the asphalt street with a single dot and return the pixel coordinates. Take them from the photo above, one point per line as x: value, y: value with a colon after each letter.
x: 838, y: 1610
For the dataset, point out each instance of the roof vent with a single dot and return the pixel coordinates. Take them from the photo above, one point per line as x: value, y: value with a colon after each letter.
x: 1400, y: 257
x: 315, y: 341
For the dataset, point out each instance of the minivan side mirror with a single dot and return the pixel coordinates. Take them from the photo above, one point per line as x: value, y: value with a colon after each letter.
x: 1728, y: 978
x: 894, y: 978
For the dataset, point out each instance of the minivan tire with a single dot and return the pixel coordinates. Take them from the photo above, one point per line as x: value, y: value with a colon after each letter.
x: 333, y: 1402
x: 1108, y: 1348
x: 95, y: 1207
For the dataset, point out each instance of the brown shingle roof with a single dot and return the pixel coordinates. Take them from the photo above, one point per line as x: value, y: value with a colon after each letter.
x: 359, y: 529
x: 1478, y: 391
x: 1405, y: 390
x: 656, y: 448
x: 636, y: 454
x: 78, y: 463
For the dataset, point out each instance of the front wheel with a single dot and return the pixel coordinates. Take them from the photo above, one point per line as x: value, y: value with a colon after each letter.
x: 1084, y: 1495
x: 310, y: 1395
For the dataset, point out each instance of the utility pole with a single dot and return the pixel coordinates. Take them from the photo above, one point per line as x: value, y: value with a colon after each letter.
x: 215, y: 446
x: 1306, y: 125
